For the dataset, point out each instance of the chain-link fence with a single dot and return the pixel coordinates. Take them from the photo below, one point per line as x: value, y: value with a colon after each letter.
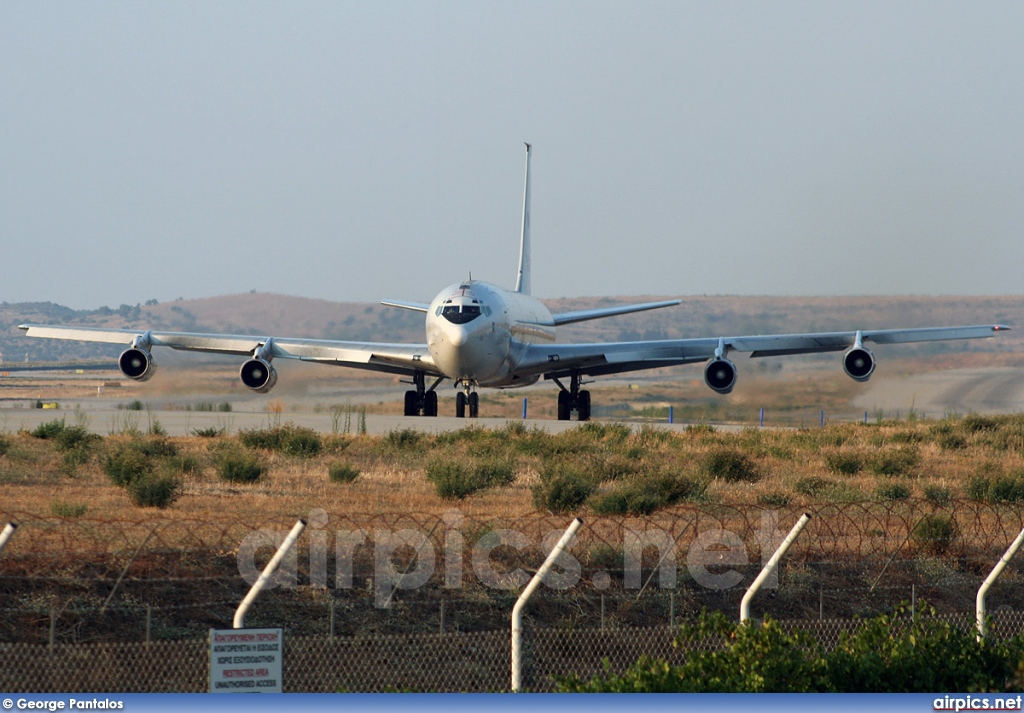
x: 419, y: 602
x: 461, y: 661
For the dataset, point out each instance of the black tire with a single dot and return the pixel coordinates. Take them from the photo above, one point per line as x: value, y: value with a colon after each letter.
x: 430, y: 403
x: 583, y: 406
x: 411, y: 407
x: 460, y: 405
x: 474, y: 405
x: 563, y: 405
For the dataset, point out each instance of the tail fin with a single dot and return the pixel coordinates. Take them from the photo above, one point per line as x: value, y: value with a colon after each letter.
x: 523, y: 281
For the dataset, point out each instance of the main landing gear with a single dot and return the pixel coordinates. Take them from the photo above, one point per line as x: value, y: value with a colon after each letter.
x: 422, y: 401
x: 467, y: 398
x: 573, y: 398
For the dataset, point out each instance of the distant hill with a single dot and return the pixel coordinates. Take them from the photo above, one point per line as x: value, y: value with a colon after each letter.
x: 282, y: 315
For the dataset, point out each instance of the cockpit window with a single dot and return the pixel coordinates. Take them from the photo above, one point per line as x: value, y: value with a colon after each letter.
x: 460, y: 314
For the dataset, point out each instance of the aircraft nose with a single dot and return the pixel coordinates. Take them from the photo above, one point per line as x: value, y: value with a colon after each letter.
x: 458, y: 335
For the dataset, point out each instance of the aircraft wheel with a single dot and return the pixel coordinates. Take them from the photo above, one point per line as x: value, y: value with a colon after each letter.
x: 563, y: 405
x: 583, y: 406
x: 460, y: 405
x: 474, y: 405
x: 410, y: 404
x: 430, y: 403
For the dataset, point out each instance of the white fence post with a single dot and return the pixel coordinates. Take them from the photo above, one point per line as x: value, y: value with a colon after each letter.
x: 996, y: 571
x: 268, y: 571
x: 6, y: 534
x: 517, y: 610
x: 770, y: 567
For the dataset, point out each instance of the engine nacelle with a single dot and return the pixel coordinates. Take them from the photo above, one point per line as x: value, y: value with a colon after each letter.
x: 258, y: 375
x: 858, y: 363
x: 720, y: 375
x: 137, y: 364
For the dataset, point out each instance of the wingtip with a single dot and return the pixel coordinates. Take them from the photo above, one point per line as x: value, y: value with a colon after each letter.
x: 1001, y: 328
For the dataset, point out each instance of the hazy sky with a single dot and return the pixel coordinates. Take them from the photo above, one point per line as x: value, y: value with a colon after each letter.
x: 359, y: 151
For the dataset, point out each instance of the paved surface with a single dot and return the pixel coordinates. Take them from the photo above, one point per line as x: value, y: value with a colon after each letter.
x: 953, y: 391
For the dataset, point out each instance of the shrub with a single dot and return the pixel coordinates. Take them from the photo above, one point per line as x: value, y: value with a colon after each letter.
x: 892, y: 491
x: 5, y: 444
x: 288, y: 439
x: 67, y: 510
x: 773, y: 500
x: 844, y: 462
x: 455, y: 480
x: 938, y: 494
x: 239, y: 467
x: 126, y: 463
x: 154, y: 491
x: 563, y: 488
x: 895, y: 462
x: 72, y: 438
x: 731, y: 465
x: 812, y: 485
x: 48, y: 430
x: 342, y: 472
x: 210, y: 432
x: 935, y: 534
x: 889, y: 653
x: 451, y: 479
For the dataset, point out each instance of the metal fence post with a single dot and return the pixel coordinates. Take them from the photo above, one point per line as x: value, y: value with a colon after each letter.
x: 6, y: 534
x: 770, y: 567
x: 268, y: 571
x: 517, y: 610
x: 991, y: 578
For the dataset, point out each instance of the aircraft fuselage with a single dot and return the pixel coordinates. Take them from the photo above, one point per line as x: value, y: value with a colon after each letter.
x: 476, y: 330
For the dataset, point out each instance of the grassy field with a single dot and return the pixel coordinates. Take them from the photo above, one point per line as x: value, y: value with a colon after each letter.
x: 597, y: 468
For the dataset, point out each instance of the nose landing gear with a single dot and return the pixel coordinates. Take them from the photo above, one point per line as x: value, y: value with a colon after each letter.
x: 467, y: 398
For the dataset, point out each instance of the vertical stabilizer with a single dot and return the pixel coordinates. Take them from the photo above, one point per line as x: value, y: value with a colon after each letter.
x: 523, y: 281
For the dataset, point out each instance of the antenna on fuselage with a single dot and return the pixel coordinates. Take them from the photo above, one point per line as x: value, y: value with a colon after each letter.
x: 523, y: 281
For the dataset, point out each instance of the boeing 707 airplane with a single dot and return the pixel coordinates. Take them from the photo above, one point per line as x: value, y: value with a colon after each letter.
x: 480, y: 335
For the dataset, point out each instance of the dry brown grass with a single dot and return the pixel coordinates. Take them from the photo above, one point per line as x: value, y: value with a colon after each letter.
x: 799, y: 465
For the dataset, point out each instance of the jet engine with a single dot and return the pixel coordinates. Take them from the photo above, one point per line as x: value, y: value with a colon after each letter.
x: 720, y: 375
x: 858, y: 363
x: 137, y: 364
x: 258, y: 375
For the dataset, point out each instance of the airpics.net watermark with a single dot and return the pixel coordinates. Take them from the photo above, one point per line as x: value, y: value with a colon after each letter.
x: 409, y: 558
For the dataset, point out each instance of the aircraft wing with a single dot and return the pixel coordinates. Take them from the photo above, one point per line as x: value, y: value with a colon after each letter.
x: 584, y: 315
x: 391, y: 358
x: 557, y: 360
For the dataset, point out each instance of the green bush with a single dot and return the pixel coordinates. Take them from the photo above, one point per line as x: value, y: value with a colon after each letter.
x: 5, y: 444
x: 48, y: 430
x: 895, y: 462
x: 989, y: 485
x: 812, y: 485
x: 126, y: 464
x: 236, y: 466
x: 938, y: 494
x: 75, y: 438
x: 153, y: 491
x: 288, y: 439
x: 456, y: 480
x: 643, y: 495
x: 342, y: 472
x: 889, y: 653
x: 892, y: 491
x: 844, y: 462
x: 563, y: 487
x: 935, y: 534
x: 211, y: 432
x: 68, y: 511
x: 731, y: 465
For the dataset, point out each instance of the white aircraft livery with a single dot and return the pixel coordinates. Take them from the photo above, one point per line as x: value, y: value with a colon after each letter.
x: 480, y: 335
